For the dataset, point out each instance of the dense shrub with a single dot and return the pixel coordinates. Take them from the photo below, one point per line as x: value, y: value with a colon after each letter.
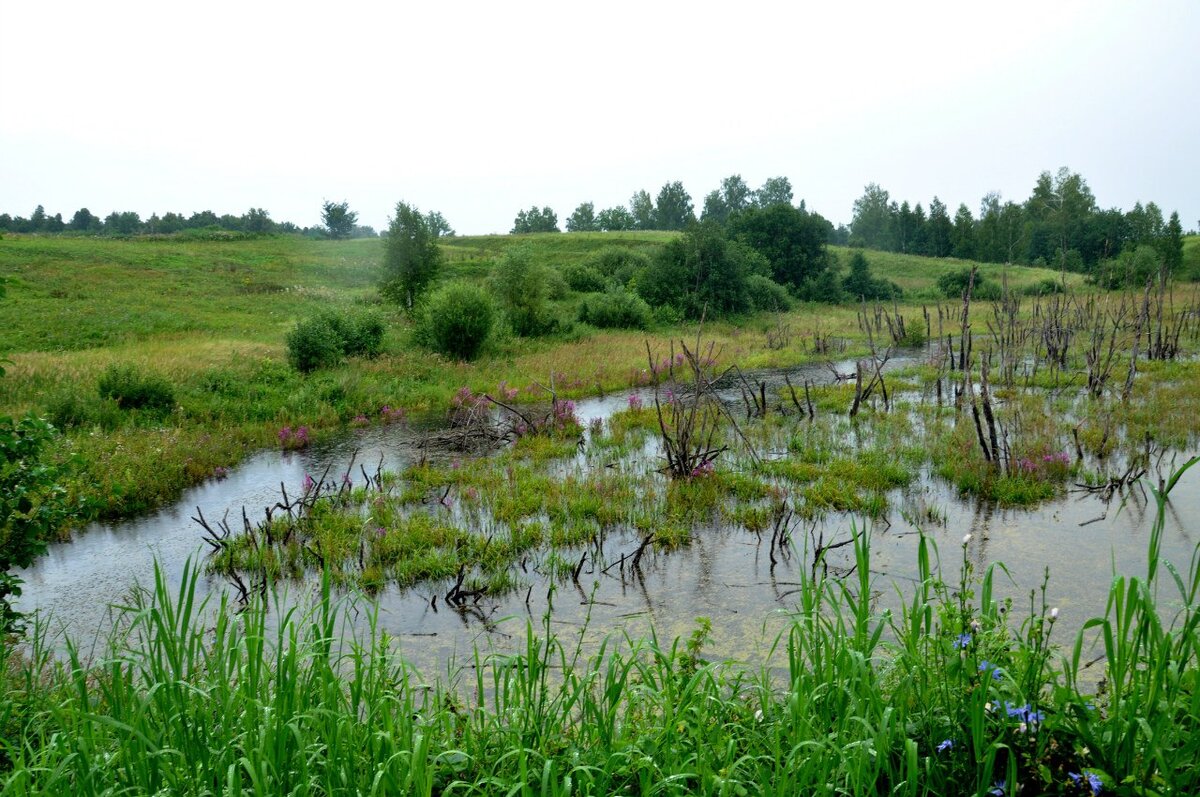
x: 825, y: 287
x: 617, y: 264
x: 767, y: 294
x: 69, y: 409
x: 520, y: 285
x: 33, y: 505
x: 556, y: 286
x: 1046, y: 287
x: 953, y: 283
x: 360, y: 334
x: 861, y: 284
x: 615, y: 309
x: 791, y: 240
x: 314, y: 343
x: 323, y: 339
x: 583, y: 278
x: 133, y: 390
x: 1132, y: 268
x: 458, y: 320
x: 701, y: 272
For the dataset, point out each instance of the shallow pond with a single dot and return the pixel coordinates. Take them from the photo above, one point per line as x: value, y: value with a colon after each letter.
x: 725, y: 573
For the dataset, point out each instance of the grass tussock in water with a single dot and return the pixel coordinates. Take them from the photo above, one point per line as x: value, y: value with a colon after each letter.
x: 953, y: 694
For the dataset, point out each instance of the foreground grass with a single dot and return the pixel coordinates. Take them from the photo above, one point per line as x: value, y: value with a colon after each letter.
x: 950, y: 696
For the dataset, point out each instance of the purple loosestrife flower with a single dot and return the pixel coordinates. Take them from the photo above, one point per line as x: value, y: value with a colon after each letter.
x: 635, y: 401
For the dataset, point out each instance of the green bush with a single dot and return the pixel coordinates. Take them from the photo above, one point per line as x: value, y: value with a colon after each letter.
x: 458, y: 320
x: 33, y: 505
x: 133, y: 390
x: 824, y: 287
x: 583, y: 278
x: 68, y: 409
x: 861, y: 285
x: 615, y: 309
x: 953, y: 283
x: 521, y: 286
x: 1047, y: 287
x: 361, y: 333
x: 314, y: 343
x: 557, y: 287
x: 767, y: 294
x: 323, y: 339
x: 617, y: 264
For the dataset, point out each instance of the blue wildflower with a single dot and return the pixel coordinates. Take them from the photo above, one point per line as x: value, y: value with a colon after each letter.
x: 1023, y: 713
x: 945, y: 745
x: 998, y: 788
x: 962, y: 641
x: 1095, y: 785
x: 986, y: 666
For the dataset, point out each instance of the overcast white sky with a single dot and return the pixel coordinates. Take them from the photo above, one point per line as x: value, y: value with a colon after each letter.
x: 480, y: 109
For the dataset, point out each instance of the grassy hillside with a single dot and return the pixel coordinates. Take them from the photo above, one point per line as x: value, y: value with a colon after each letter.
x: 1191, y: 257
x: 79, y: 293
x: 916, y: 275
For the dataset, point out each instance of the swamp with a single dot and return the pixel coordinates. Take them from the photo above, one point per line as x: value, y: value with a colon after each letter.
x: 929, y: 544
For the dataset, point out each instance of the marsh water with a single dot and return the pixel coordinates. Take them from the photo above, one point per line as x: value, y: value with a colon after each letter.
x: 725, y: 573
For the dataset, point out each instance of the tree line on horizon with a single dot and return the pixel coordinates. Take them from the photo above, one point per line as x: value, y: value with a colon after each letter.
x: 1059, y: 226
x: 671, y: 210
x: 255, y: 221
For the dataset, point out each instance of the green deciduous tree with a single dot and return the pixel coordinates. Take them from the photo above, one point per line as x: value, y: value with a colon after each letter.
x: 871, y: 224
x: 520, y: 286
x: 338, y: 219
x: 256, y: 220
x: 84, y: 221
x: 792, y: 241
x: 615, y: 219
x: 641, y: 208
x: 940, y: 231
x: 673, y: 207
x: 535, y: 220
x: 775, y: 191
x: 411, y: 256
x: 583, y: 219
x: 733, y: 196
x: 962, y: 239
x: 438, y: 225
x: 701, y: 271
